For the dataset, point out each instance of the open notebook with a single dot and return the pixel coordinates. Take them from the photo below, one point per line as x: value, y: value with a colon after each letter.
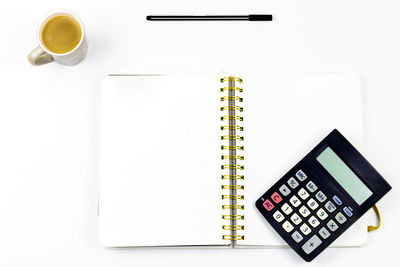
x: 163, y: 139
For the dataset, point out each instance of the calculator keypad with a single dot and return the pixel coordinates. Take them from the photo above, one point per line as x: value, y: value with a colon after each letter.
x: 286, y: 209
x: 287, y: 226
x: 312, y: 204
x: 332, y: 226
x: 268, y: 205
x: 320, y: 196
x: 311, y: 186
x: 301, y: 175
x: 330, y: 206
x: 278, y: 216
x: 313, y: 221
x: 324, y: 233
x: 337, y: 200
x: 303, y: 194
x: 305, y: 229
x: 347, y: 211
x: 296, y: 219
x: 311, y: 244
x: 295, y: 201
x: 340, y: 218
x: 305, y: 212
x: 276, y: 197
x: 297, y: 237
x: 322, y: 214
x: 293, y: 183
x: 284, y: 190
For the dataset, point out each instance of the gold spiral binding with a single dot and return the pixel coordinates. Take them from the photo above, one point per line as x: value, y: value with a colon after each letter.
x: 233, y: 207
x: 232, y: 177
x: 232, y: 108
x: 230, y: 166
x: 232, y: 137
x: 232, y: 88
x: 233, y: 217
x: 232, y: 157
x: 225, y: 186
x: 241, y: 197
x: 231, y: 127
x: 224, y: 118
x: 232, y: 227
x: 233, y: 237
x: 231, y: 79
x: 232, y: 146
x: 225, y: 98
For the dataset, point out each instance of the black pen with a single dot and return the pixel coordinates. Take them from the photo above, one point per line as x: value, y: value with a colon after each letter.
x: 212, y: 17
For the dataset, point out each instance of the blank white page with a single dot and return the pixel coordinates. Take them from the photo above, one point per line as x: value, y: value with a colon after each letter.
x: 159, y: 161
x: 285, y: 116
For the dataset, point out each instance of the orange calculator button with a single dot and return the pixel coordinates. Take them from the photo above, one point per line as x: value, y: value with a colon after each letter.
x: 276, y: 197
x: 268, y: 205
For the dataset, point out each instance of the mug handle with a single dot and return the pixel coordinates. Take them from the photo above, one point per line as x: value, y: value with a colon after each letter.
x: 39, y: 57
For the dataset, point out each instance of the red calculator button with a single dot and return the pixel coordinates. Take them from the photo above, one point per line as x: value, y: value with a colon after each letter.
x: 268, y: 205
x: 276, y: 197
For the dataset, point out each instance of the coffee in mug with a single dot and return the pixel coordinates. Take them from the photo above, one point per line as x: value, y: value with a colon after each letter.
x: 61, y: 34
x: 61, y: 38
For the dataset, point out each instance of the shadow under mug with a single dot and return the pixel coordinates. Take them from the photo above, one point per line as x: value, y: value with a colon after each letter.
x: 41, y: 55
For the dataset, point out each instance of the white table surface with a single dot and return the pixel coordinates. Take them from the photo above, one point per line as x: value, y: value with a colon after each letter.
x: 49, y: 121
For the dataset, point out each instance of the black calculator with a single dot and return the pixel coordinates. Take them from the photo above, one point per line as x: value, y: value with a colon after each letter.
x: 322, y: 196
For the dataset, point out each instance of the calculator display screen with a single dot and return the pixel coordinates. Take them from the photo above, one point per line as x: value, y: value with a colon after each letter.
x: 344, y: 176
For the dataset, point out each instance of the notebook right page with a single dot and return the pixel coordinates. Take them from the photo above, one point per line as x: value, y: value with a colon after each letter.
x: 285, y: 116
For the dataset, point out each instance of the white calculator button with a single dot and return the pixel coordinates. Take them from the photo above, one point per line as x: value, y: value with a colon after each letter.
x: 322, y: 214
x: 324, y: 233
x: 278, y: 216
x: 303, y: 194
x: 330, y: 206
x: 287, y: 226
x: 304, y: 211
x: 295, y: 219
x: 313, y: 221
x: 312, y: 204
x: 340, y: 218
x: 305, y: 229
x: 284, y: 190
x: 295, y: 201
x: 301, y: 175
x: 320, y: 196
x: 311, y: 186
x: 312, y: 243
x: 286, y: 209
x: 332, y: 226
x: 297, y: 236
x: 292, y: 182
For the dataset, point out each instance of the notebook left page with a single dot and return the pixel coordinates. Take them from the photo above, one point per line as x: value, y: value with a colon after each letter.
x: 159, y: 173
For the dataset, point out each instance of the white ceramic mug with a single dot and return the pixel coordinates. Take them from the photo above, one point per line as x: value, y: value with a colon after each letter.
x: 41, y: 55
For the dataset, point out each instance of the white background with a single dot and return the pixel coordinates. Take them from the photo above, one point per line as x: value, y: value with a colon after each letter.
x: 49, y: 122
